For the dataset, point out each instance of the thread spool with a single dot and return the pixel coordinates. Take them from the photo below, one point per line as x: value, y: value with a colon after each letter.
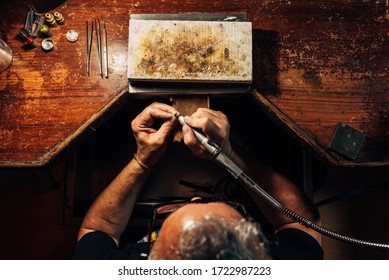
x: 50, y: 19
x: 59, y: 18
x: 45, y: 31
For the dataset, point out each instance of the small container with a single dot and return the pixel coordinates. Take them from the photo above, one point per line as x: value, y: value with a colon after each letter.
x: 48, y: 45
x: 72, y: 36
x: 5, y: 55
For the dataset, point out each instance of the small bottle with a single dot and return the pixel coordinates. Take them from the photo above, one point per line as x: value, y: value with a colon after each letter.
x: 59, y: 18
x: 50, y: 19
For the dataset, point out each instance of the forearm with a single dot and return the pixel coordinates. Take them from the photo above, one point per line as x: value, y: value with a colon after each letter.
x: 112, y: 209
x: 279, y: 187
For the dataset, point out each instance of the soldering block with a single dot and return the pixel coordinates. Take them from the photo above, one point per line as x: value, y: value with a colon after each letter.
x: 190, y: 51
x: 347, y: 141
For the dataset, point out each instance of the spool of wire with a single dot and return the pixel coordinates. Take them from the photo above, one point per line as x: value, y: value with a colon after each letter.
x: 50, y: 19
x: 59, y: 18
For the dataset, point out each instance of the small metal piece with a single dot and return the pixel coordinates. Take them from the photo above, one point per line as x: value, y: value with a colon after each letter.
x: 23, y: 35
x: 28, y: 23
x: 87, y: 46
x: 98, y: 41
x: 90, y: 45
x: 50, y: 19
x: 33, y: 23
x: 59, y: 18
x: 106, y: 50
x: 230, y: 19
x: 347, y: 141
x: 47, y: 45
x: 72, y: 36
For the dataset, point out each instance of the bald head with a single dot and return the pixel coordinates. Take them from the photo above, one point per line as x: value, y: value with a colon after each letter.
x: 207, y: 231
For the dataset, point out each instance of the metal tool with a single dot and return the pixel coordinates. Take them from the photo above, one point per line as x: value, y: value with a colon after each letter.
x: 32, y: 25
x: 90, y: 47
x: 238, y: 173
x: 98, y: 42
x: 213, y: 149
x: 87, y: 46
x: 106, y: 49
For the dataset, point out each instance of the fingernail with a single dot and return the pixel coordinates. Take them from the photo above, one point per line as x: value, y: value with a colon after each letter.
x: 188, y: 118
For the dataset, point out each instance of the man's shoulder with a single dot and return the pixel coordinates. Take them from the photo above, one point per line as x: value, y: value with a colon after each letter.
x: 291, y: 243
x: 98, y: 245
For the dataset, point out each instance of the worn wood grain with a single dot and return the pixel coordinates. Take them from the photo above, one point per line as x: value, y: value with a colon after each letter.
x: 316, y: 63
x: 325, y: 63
x: 187, y: 105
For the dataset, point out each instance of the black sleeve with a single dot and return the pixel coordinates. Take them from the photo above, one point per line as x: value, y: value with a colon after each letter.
x: 94, y: 246
x: 295, y: 244
x: 98, y: 245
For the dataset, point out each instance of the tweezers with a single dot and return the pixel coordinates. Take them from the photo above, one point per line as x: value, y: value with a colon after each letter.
x: 98, y: 41
x: 89, y: 45
x: 105, y: 50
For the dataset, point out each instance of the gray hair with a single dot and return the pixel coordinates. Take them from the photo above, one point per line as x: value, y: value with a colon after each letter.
x: 215, y: 238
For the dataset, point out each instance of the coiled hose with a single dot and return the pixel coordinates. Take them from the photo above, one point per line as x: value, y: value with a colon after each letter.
x: 238, y: 173
x: 304, y: 221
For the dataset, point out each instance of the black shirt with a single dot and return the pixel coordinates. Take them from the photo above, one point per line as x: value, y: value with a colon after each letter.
x: 289, y: 244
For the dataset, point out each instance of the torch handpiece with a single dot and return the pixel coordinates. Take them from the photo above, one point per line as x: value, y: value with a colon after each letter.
x: 213, y: 149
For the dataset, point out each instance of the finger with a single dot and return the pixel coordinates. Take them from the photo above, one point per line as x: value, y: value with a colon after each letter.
x: 193, y: 144
x: 216, y: 116
x: 164, y: 109
x: 208, y: 126
x: 165, y: 129
x: 154, y: 111
x: 190, y: 140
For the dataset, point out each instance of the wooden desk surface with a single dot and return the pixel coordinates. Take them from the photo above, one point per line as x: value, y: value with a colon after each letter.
x: 316, y: 65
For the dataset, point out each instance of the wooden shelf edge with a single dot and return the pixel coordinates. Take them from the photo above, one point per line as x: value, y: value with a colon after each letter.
x: 303, y: 137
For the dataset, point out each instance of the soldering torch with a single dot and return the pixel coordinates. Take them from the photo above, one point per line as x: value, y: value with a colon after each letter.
x: 213, y: 149
x: 238, y: 173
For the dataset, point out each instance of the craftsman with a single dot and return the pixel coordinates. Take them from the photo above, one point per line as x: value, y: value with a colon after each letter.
x: 197, y: 230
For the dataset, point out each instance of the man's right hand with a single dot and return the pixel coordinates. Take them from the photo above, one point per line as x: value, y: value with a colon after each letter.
x: 214, y: 124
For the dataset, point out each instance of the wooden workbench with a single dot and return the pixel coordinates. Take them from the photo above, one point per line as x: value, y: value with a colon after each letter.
x: 316, y: 64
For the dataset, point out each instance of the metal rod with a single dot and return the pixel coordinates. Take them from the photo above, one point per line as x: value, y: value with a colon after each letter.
x: 98, y: 41
x: 87, y: 47
x: 106, y: 49
x: 90, y: 45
